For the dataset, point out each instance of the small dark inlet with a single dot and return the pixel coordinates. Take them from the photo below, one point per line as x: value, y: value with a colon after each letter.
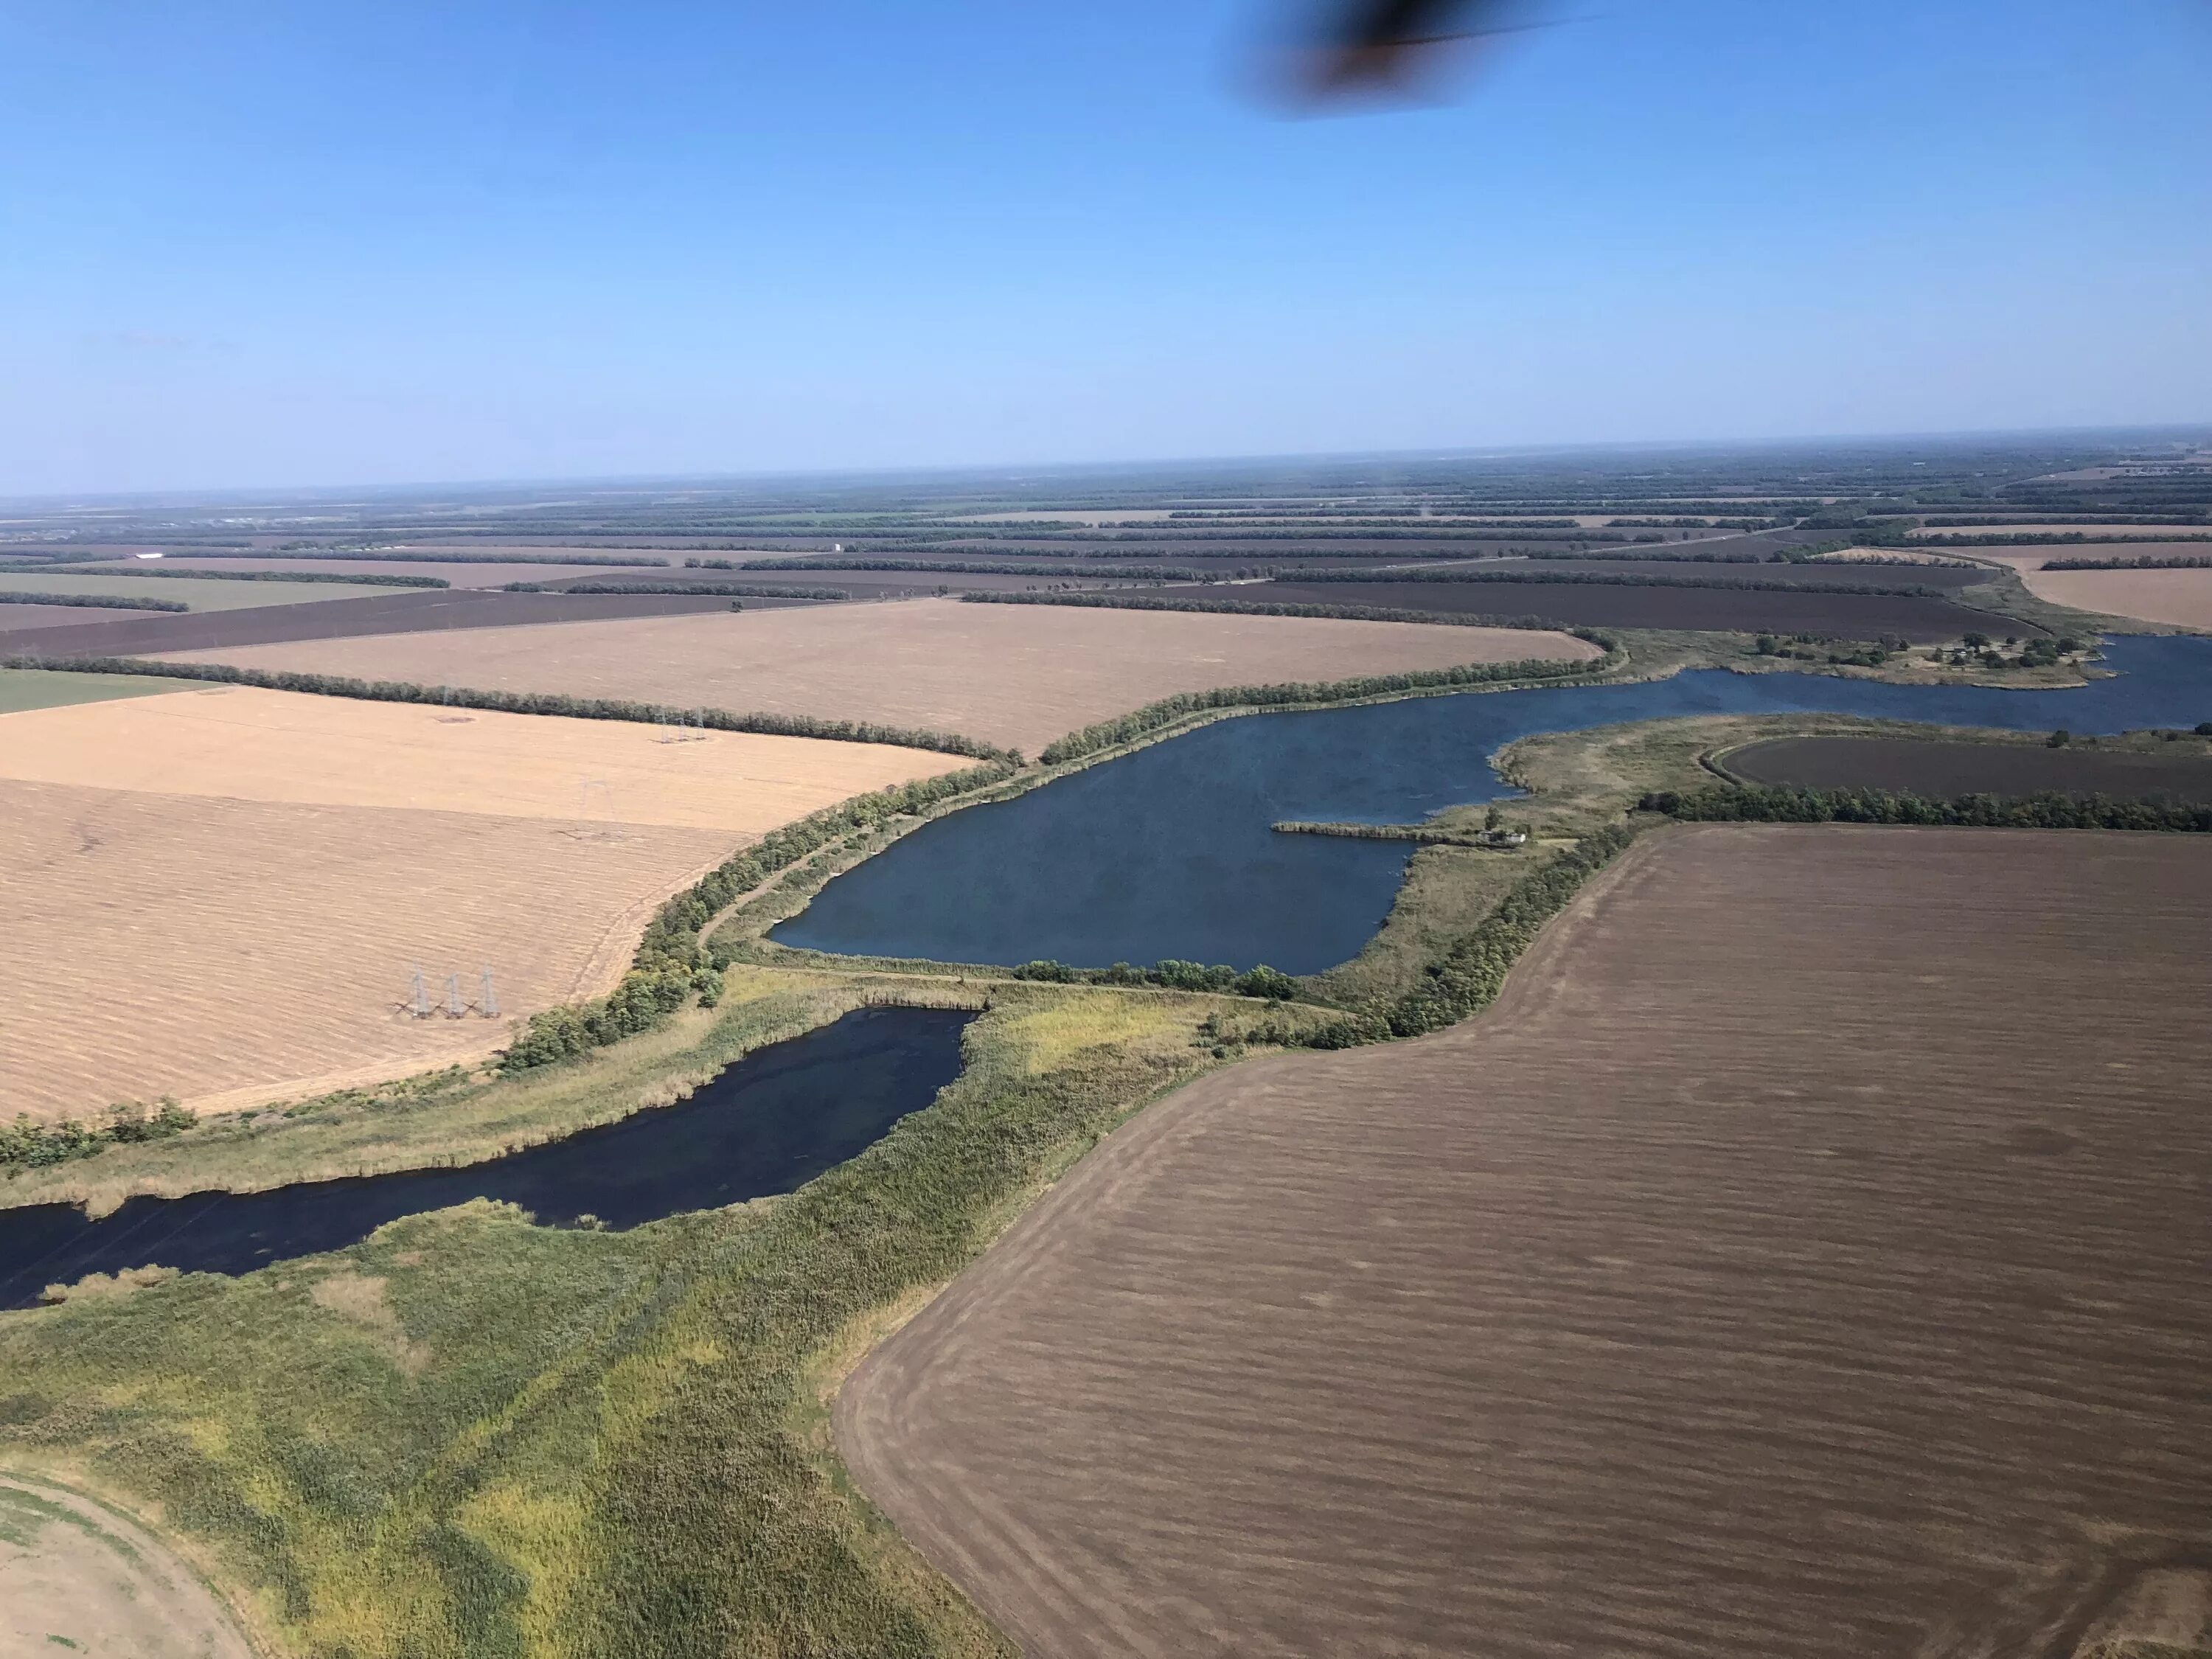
x: 767, y: 1124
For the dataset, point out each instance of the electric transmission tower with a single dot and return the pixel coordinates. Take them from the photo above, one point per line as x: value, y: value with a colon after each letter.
x: 488, y: 1006
x: 419, y: 995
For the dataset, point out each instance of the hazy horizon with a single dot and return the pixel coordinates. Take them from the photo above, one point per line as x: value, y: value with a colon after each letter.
x: 489, y: 241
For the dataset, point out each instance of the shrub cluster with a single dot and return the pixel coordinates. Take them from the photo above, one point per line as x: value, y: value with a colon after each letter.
x: 672, y: 963
x: 1787, y: 804
x: 1174, y: 974
x: 32, y: 1145
x: 526, y: 702
x: 1169, y: 710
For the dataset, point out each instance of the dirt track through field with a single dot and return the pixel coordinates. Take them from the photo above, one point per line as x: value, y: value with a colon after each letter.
x: 1808, y: 1256
x: 1018, y: 675
x: 76, y: 1577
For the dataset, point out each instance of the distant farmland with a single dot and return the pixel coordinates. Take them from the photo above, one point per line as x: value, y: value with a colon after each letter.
x: 342, y: 615
x: 242, y: 921
x: 1748, y: 610
x: 1018, y: 675
x: 1945, y: 769
x: 1806, y: 1259
x: 2181, y: 598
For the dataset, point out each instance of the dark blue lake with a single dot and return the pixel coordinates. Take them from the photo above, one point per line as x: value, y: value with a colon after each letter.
x: 1168, y: 852
x: 767, y: 1124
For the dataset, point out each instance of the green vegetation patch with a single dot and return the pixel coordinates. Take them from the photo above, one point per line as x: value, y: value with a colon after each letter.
x: 25, y: 689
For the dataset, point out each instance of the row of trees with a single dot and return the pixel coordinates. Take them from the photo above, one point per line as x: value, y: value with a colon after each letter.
x: 1261, y: 608
x: 1172, y: 973
x: 1472, y: 972
x: 672, y: 964
x: 94, y: 601
x: 1788, y: 804
x: 530, y: 702
x: 353, y: 577
x: 2140, y: 561
x: 1623, y: 579
x: 1170, y: 711
x: 732, y: 590
x: 969, y: 568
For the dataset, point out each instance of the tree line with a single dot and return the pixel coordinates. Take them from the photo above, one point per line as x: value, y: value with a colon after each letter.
x: 353, y: 577
x: 528, y: 703
x: 1170, y: 973
x: 95, y: 601
x: 1625, y: 579
x: 2140, y: 561
x: 1168, y: 711
x: 1790, y: 804
x: 733, y: 590
x: 1262, y: 608
x: 672, y: 964
x: 1472, y: 973
x: 969, y: 568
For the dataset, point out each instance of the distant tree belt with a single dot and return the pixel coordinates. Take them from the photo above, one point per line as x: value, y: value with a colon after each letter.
x: 519, y: 555
x: 94, y: 601
x: 1985, y: 522
x: 2056, y: 539
x: 969, y: 568
x: 1442, y: 518
x: 671, y: 965
x: 1168, y: 711
x: 2140, y: 561
x: 1318, y: 533
x: 353, y: 577
x: 523, y: 703
x: 1126, y: 601
x: 1609, y: 578
x: 1782, y: 804
x: 734, y: 590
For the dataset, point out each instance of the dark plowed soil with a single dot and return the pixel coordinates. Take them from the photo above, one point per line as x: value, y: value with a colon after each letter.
x: 1809, y: 1257
x: 1855, y: 573
x: 1943, y: 769
x: 1753, y: 610
x: 429, y: 610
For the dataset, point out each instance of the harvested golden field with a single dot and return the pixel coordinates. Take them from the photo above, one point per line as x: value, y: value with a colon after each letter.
x: 1805, y: 1258
x: 228, y: 951
x: 2182, y: 597
x: 1015, y: 675
x: 222, y: 893
x: 241, y: 742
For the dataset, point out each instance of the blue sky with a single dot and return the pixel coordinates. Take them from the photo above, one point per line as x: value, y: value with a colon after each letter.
x: 249, y: 244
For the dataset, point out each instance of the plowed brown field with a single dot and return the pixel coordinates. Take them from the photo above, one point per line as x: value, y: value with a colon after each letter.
x: 1018, y: 675
x: 1808, y: 1255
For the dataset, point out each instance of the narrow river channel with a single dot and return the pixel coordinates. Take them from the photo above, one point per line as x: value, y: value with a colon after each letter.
x: 767, y: 1124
